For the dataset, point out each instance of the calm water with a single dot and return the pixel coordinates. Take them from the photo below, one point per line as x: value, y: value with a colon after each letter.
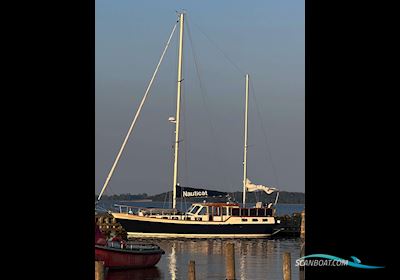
x: 255, y: 258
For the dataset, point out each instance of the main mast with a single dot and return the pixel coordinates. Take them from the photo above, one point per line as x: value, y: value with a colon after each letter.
x: 178, y: 107
x: 245, y: 141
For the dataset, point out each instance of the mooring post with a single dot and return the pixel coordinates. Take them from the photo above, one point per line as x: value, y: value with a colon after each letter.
x: 303, y: 243
x: 230, y: 262
x: 287, y: 275
x: 192, y: 270
x: 99, y: 270
x: 303, y: 225
x: 301, y: 267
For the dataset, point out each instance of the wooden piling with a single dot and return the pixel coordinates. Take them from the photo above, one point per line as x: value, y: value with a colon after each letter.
x: 303, y: 243
x: 303, y: 225
x: 301, y: 267
x: 230, y: 262
x: 192, y: 270
x: 99, y: 270
x: 287, y: 275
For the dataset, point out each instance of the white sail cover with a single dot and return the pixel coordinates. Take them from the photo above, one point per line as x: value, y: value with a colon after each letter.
x: 250, y: 187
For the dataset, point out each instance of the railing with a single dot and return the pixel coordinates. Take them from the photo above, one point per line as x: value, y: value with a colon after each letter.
x: 145, y: 211
x: 173, y: 214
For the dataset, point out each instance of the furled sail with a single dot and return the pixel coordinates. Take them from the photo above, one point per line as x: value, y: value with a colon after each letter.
x: 253, y: 187
x: 196, y: 192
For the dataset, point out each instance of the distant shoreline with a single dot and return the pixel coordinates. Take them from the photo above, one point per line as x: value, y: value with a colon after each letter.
x: 284, y: 197
x: 137, y: 200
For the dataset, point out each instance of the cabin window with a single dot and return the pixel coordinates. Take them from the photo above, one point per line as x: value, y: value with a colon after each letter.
x: 261, y: 212
x: 235, y: 212
x: 265, y: 212
x: 253, y: 212
x: 224, y: 212
x: 244, y: 212
x: 194, y: 210
x: 203, y: 211
x: 217, y: 211
x: 269, y: 212
x: 244, y: 220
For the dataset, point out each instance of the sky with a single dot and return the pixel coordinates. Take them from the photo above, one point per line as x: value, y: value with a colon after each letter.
x: 223, y: 40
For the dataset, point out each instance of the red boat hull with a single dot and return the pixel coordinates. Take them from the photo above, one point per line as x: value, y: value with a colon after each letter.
x: 123, y: 259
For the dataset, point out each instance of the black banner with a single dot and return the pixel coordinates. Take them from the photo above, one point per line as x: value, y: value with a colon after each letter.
x: 186, y: 192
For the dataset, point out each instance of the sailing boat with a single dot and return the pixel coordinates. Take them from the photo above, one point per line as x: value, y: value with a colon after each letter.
x: 201, y: 220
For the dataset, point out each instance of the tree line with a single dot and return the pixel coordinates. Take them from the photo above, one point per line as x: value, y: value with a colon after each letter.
x: 284, y: 197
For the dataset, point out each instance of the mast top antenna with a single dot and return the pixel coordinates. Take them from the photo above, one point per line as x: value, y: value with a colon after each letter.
x: 181, y: 11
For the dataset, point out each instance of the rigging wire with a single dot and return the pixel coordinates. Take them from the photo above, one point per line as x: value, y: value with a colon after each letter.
x: 185, y: 134
x: 168, y: 194
x: 224, y: 54
x: 185, y: 144
x: 262, y: 126
x: 165, y: 199
x: 110, y: 192
x: 237, y: 68
x: 185, y: 138
x: 137, y: 114
x: 203, y: 92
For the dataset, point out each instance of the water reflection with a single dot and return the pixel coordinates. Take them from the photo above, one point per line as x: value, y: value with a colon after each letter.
x: 152, y: 273
x: 242, y: 261
x: 255, y: 259
x: 172, y: 262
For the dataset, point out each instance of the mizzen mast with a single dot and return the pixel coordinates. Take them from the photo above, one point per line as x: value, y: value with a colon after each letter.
x: 245, y: 141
